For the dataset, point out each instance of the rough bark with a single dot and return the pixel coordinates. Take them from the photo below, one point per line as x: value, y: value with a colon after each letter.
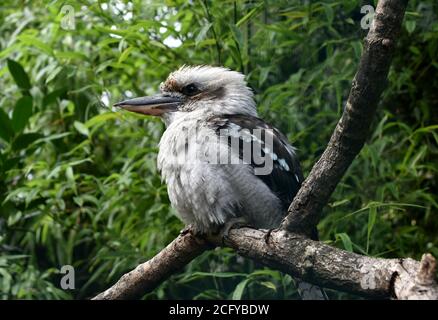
x: 287, y: 249
x: 353, y: 127
x: 146, y: 276
x: 312, y: 261
x: 319, y: 263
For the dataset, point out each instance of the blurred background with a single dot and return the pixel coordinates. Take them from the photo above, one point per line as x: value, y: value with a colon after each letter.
x: 78, y: 178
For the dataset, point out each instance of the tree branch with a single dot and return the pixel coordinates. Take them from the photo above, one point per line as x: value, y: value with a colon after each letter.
x: 352, y: 129
x: 291, y: 252
x: 319, y: 263
x: 146, y: 276
x: 312, y: 261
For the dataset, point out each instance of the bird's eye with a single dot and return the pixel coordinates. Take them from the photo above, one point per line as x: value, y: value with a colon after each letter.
x: 190, y: 90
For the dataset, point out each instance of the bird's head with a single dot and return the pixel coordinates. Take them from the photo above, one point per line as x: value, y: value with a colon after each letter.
x: 200, y: 89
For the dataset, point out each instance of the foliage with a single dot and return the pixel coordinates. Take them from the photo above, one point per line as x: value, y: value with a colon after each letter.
x: 78, y: 179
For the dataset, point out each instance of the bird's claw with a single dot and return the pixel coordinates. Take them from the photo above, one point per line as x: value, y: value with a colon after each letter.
x: 233, y: 223
x: 267, y: 236
x: 187, y: 229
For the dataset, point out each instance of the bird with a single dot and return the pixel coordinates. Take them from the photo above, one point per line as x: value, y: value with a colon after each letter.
x: 202, y: 103
x: 223, y: 165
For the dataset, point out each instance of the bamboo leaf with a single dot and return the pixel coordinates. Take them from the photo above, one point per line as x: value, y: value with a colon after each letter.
x: 6, y: 129
x: 240, y: 288
x: 372, y: 215
x: 346, y: 241
x: 202, y: 33
x: 82, y: 129
x: 20, y: 76
x: 22, y: 113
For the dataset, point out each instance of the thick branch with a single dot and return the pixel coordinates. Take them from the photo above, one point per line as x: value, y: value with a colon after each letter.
x: 326, y: 266
x: 352, y: 129
x: 298, y: 256
x: 146, y: 276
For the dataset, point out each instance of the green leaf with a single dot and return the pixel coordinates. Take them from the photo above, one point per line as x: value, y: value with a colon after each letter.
x: 264, y: 72
x: 329, y: 13
x: 6, y: 129
x: 52, y: 96
x: 371, y: 221
x: 24, y: 140
x: 37, y: 43
x: 358, y: 48
x: 102, y: 118
x: 410, y: 26
x: 266, y: 272
x: 339, y: 203
x: 20, y: 76
x: 22, y: 113
x: 72, y: 55
x: 9, y: 163
x: 52, y: 75
x: 250, y: 14
x: 269, y: 284
x: 82, y: 129
x: 346, y: 241
x: 237, y: 35
x: 238, y: 292
x: 219, y: 274
x: 125, y: 54
x: 69, y: 174
x: 201, y: 35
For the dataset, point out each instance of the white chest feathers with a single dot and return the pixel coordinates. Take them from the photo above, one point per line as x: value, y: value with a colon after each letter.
x: 207, y: 194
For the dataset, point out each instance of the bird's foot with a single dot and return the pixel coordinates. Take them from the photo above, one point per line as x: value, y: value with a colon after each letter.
x: 194, y: 231
x: 233, y: 223
x: 186, y: 229
x: 267, y: 236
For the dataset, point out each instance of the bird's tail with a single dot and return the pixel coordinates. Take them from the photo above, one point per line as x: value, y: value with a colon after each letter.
x: 309, y: 291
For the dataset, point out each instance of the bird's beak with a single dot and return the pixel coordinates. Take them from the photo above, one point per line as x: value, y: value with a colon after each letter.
x: 153, y: 105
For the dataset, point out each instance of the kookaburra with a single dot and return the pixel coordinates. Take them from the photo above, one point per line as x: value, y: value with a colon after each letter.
x: 220, y: 161
x: 209, y: 111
